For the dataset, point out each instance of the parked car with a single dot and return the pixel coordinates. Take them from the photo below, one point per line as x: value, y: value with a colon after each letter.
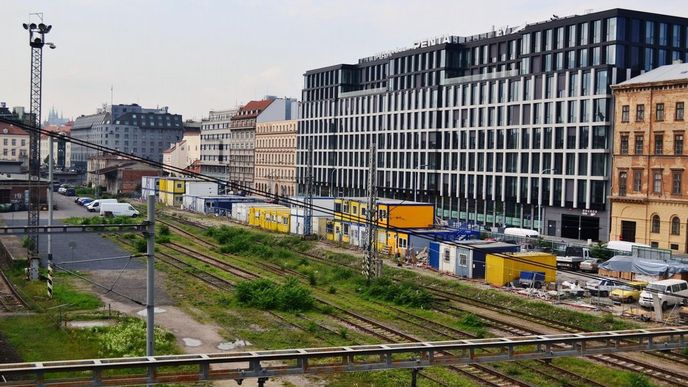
x: 118, y: 209
x: 63, y: 188
x: 531, y: 279
x: 86, y: 202
x: 70, y: 192
x: 589, y: 265
x: 670, y: 292
x: 95, y: 205
x: 603, y: 287
x: 629, y: 293
x: 80, y: 200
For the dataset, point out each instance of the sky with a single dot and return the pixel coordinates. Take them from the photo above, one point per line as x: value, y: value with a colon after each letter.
x: 201, y: 55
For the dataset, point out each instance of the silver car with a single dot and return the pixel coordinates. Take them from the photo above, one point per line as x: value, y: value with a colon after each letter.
x: 590, y: 265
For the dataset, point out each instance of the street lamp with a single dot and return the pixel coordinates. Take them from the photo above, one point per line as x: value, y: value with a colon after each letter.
x: 540, y: 208
x: 415, y: 181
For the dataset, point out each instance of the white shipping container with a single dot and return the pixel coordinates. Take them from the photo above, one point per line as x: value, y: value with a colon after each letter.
x: 201, y: 188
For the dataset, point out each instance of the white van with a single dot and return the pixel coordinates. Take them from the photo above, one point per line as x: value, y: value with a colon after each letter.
x: 626, y: 247
x: 671, y: 292
x: 95, y: 205
x: 521, y: 232
x: 118, y: 209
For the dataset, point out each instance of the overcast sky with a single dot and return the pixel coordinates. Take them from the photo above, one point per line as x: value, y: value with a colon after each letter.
x: 195, y: 56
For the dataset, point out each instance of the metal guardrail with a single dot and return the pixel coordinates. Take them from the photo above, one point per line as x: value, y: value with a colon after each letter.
x: 262, y: 364
x: 73, y: 229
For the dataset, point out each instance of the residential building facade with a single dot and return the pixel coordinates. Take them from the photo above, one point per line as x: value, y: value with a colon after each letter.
x: 275, y: 157
x: 649, y: 194
x: 183, y: 154
x: 127, y: 128
x: 215, y: 136
x: 14, y: 143
x: 510, y: 127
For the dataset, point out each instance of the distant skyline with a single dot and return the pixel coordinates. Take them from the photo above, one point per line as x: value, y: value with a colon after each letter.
x: 196, y: 56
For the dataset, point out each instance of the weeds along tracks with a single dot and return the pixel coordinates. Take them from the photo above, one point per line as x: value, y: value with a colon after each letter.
x: 480, y: 373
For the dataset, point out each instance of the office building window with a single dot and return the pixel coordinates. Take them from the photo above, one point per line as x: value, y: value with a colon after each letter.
x: 637, y: 180
x: 639, y: 144
x: 640, y: 113
x: 623, y: 178
x: 659, y: 144
x: 679, y: 111
x: 676, y: 179
x: 624, y: 144
x: 659, y: 112
x: 649, y: 32
x: 678, y: 144
x: 675, y: 226
x: 655, y: 224
x: 625, y: 112
x: 657, y: 182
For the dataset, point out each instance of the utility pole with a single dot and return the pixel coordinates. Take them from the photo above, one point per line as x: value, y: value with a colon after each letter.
x: 50, y: 199
x: 150, y: 283
x: 371, y: 264
x: 308, y: 200
x: 36, y: 41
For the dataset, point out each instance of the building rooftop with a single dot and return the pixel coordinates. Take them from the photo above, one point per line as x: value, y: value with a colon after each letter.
x: 252, y: 109
x: 672, y: 72
x: 6, y: 128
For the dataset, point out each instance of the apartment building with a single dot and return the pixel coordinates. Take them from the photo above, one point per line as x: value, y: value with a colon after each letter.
x: 275, y: 157
x: 649, y: 195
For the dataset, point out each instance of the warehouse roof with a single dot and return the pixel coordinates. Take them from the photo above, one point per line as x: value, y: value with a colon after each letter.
x: 672, y: 72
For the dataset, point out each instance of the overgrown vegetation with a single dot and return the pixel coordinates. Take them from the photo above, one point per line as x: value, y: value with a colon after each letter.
x: 400, y: 293
x: 85, y: 221
x: 290, y: 296
x: 128, y: 338
x: 164, y: 234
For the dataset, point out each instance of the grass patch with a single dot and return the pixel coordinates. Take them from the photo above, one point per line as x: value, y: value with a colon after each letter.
x: 400, y: 293
x: 290, y: 296
x: 128, y: 339
x: 95, y: 220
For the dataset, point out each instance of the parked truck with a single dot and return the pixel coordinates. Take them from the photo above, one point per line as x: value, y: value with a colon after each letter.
x: 572, y: 257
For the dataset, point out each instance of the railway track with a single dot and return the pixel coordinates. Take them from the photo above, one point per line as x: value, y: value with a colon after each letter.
x: 657, y: 373
x: 10, y: 299
x: 483, y: 374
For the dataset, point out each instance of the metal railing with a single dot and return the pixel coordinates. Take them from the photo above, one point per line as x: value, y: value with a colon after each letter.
x: 263, y: 364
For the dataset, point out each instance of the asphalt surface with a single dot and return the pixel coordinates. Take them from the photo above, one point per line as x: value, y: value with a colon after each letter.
x: 90, y: 247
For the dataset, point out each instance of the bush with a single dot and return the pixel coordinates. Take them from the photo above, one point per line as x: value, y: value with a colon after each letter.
x: 141, y: 245
x: 164, y: 230
x: 128, y: 339
x: 638, y: 380
x: 265, y: 294
x: 402, y: 293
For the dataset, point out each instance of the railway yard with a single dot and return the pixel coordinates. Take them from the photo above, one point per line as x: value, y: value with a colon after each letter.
x: 206, y: 261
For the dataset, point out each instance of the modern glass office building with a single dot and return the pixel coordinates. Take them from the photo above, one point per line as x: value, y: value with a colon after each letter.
x: 502, y: 128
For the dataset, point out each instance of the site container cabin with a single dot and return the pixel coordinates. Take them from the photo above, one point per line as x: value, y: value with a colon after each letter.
x: 200, y: 188
x: 240, y: 211
x: 255, y: 214
x: 275, y: 218
x: 150, y: 185
x: 323, y: 210
x: 214, y: 205
x: 415, y: 240
x: 434, y: 255
x: 171, y: 191
x: 503, y: 268
x: 467, y: 258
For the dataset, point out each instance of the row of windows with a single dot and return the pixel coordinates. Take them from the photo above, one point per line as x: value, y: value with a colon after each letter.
x: 657, y: 182
x: 6, y: 142
x: 660, y: 112
x: 658, y: 144
x: 14, y: 152
x: 289, y: 143
x: 275, y: 173
x: 675, y: 225
x: 278, y: 158
x: 283, y: 190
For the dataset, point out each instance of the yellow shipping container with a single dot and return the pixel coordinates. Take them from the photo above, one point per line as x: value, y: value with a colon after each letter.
x: 503, y: 268
x: 275, y: 219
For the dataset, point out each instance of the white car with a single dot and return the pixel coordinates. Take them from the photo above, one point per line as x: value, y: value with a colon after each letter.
x: 603, y: 287
x: 95, y: 205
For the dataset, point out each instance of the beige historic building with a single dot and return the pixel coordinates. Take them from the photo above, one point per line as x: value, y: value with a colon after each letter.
x: 14, y: 143
x: 275, y: 170
x: 649, y: 192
